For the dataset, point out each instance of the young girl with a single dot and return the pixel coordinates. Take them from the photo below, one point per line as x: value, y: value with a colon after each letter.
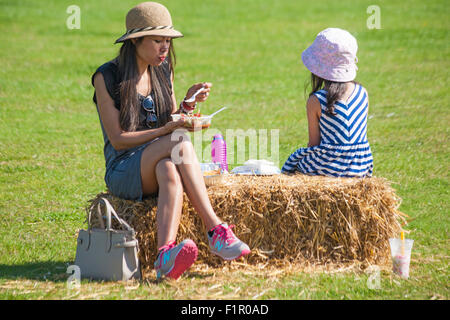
x: 135, y: 99
x: 337, y: 111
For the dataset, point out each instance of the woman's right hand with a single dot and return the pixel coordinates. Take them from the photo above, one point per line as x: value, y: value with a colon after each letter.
x: 202, y: 96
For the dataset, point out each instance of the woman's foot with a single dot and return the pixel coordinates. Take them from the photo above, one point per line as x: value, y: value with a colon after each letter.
x: 173, y: 261
x: 224, y: 243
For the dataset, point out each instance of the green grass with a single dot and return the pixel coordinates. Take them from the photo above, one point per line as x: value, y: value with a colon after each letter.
x: 51, y: 160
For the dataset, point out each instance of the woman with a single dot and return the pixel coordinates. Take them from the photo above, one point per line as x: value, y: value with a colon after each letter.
x: 135, y: 98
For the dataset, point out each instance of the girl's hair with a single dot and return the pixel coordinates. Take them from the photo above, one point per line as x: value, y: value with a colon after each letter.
x: 335, y: 90
x: 129, y: 102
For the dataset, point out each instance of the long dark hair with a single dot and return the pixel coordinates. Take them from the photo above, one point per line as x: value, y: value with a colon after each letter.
x: 129, y: 101
x: 335, y: 90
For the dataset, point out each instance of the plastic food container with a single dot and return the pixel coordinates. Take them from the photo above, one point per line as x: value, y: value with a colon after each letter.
x: 213, y: 180
x: 194, y: 121
x: 212, y: 173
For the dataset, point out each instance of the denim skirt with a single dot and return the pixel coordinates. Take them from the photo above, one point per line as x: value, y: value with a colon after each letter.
x: 123, y: 178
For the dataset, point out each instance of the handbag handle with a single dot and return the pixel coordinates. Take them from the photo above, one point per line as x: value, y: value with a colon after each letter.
x: 109, y: 210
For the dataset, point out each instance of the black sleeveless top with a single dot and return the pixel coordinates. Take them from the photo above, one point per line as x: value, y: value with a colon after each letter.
x: 110, y: 72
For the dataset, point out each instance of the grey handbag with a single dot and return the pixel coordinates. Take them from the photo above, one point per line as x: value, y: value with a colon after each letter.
x: 108, y: 254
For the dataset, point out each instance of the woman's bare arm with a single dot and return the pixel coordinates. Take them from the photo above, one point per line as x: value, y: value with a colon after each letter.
x: 109, y: 115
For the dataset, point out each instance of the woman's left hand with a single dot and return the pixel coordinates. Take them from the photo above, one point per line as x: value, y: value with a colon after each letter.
x: 202, y: 96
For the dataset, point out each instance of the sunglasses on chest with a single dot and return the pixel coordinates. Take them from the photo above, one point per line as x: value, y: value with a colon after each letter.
x: 149, y: 105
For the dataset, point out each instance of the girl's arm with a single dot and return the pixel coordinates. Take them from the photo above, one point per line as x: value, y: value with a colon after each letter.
x: 109, y: 115
x: 313, y: 112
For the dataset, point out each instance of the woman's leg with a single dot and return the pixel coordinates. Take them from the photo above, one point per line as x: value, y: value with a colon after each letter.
x: 222, y: 240
x: 194, y: 185
x: 158, y: 170
x: 191, y: 178
x: 172, y: 260
x: 170, y: 201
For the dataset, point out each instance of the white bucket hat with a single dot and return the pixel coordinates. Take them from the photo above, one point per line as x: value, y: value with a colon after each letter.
x: 332, y: 55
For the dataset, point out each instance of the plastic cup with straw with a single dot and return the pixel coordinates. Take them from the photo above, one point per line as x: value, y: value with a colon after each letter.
x: 401, y: 255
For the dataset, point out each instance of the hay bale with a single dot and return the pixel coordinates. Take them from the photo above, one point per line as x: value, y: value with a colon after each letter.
x: 295, y: 219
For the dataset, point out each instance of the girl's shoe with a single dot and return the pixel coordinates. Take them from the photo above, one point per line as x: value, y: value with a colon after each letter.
x: 173, y: 260
x: 225, y: 244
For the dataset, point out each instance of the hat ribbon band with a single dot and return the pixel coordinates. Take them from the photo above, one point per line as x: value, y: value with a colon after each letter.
x: 147, y: 29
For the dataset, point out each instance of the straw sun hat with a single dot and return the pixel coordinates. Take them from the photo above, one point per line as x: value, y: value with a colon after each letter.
x: 149, y: 19
x: 332, y: 55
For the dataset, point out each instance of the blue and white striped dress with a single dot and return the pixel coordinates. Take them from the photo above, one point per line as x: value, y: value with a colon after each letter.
x: 344, y: 150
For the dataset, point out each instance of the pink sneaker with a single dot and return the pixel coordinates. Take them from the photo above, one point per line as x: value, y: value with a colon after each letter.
x: 173, y: 261
x: 225, y: 244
